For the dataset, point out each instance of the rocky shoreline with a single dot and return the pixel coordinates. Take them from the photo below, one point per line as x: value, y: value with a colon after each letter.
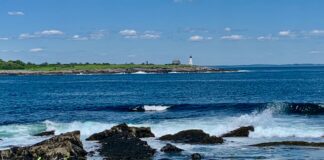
x: 123, y: 142
x: 195, y: 69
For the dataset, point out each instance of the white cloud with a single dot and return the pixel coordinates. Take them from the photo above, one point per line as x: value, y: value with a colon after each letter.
x: 79, y: 38
x: 228, y: 29
x: 196, y: 38
x: 4, y: 38
x: 16, y: 13
x: 233, y: 37
x: 34, y: 50
x: 285, y: 33
x: 26, y: 36
x: 314, y: 52
x: 97, y: 35
x: 50, y: 32
x: 150, y: 36
x: 317, y: 32
x: 128, y: 32
x: 264, y: 38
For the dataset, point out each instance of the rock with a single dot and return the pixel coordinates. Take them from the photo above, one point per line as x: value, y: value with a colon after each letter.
x: 192, y: 137
x: 169, y: 148
x: 139, y: 132
x: 196, y: 156
x: 67, y: 145
x: 46, y: 133
x: 290, y: 143
x: 125, y: 147
x: 240, y: 132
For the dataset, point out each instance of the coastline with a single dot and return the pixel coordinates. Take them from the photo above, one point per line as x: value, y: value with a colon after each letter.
x: 195, y: 69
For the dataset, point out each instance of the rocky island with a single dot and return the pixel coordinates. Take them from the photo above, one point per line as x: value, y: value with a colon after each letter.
x: 21, y: 68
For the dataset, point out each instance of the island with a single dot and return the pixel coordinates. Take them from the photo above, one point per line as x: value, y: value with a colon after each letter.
x: 18, y: 67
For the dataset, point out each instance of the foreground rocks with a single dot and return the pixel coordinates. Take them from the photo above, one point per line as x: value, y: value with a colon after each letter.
x: 123, y: 142
x: 290, y: 143
x: 240, y: 132
x: 169, y: 148
x: 139, y: 132
x: 46, y: 133
x: 67, y: 145
x: 196, y: 156
x: 192, y: 137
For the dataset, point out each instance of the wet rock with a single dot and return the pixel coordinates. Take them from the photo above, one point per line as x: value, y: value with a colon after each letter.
x: 192, y: 137
x: 169, y: 148
x: 196, y: 156
x: 290, y: 143
x: 46, y: 133
x: 139, y: 132
x: 67, y: 145
x: 125, y: 147
x: 240, y: 132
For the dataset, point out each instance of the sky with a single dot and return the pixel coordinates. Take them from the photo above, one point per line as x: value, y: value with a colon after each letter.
x: 214, y: 32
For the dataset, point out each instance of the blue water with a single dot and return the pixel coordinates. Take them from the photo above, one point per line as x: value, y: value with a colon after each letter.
x: 283, y: 103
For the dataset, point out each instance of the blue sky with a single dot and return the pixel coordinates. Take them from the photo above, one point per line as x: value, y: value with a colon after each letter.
x: 214, y: 32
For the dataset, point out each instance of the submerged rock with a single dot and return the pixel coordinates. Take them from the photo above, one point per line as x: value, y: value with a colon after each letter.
x: 240, y: 132
x: 67, y: 145
x: 196, y: 156
x: 125, y: 147
x: 192, y: 137
x: 46, y: 133
x: 290, y: 143
x: 169, y: 148
x: 139, y: 132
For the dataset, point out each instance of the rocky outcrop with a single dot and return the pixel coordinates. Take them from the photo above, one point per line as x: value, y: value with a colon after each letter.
x: 46, y: 133
x: 240, y: 132
x: 67, y: 145
x: 290, y: 143
x: 196, y: 156
x: 169, y: 148
x: 139, y: 132
x: 125, y: 147
x: 192, y: 137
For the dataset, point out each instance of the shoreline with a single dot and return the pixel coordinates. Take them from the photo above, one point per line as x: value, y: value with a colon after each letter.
x: 119, y: 71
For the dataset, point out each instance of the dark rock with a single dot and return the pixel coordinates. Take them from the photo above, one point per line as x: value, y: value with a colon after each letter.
x: 46, y: 133
x: 196, y: 156
x: 139, y: 132
x: 125, y: 147
x: 91, y: 153
x: 290, y: 143
x: 240, y: 132
x: 192, y: 137
x: 169, y: 148
x: 67, y: 145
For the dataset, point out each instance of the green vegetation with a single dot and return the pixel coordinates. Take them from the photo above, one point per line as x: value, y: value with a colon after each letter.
x: 19, y: 65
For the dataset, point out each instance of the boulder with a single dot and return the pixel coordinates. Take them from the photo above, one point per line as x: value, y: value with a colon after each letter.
x: 196, y: 156
x: 67, y: 145
x: 290, y: 143
x: 192, y: 137
x: 125, y: 147
x: 240, y: 132
x: 46, y: 133
x: 139, y: 132
x: 169, y: 148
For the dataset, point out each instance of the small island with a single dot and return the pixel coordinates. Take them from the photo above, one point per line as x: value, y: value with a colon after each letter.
x: 18, y: 67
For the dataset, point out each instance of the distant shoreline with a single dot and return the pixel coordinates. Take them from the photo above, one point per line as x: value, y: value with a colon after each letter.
x: 161, y: 70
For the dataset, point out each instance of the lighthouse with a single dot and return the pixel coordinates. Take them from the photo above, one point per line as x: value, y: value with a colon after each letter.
x: 190, y: 61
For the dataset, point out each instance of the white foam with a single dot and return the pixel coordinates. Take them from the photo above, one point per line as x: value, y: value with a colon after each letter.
x: 155, y: 108
x: 139, y: 72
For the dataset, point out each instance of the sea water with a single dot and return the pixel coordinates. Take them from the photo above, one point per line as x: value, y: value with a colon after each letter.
x: 282, y: 103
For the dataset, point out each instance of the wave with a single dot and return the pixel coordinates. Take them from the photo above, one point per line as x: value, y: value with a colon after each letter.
x: 278, y: 108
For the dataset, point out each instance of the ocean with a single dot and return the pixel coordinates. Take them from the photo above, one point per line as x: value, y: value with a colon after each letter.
x: 281, y: 102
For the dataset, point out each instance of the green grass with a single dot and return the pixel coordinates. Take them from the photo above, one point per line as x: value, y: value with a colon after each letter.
x: 66, y: 67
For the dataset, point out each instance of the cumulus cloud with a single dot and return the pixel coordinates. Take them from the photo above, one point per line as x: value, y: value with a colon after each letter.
x: 150, y: 36
x: 50, y: 32
x: 45, y: 33
x: 227, y: 29
x: 26, y: 36
x: 196, y: 38
x: 79, y: 38
x: 233, y: 37
x: 34, y: 50
x: 4, y: 38
x: 128, y: 32
x: 16, y: 13
x: 317, y: 32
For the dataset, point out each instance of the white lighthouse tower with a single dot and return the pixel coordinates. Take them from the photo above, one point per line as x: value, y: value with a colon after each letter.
x: 190, y: 61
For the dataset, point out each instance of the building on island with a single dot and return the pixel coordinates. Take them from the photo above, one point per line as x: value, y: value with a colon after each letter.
x: 176, y: 62
x: 190, y: 61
